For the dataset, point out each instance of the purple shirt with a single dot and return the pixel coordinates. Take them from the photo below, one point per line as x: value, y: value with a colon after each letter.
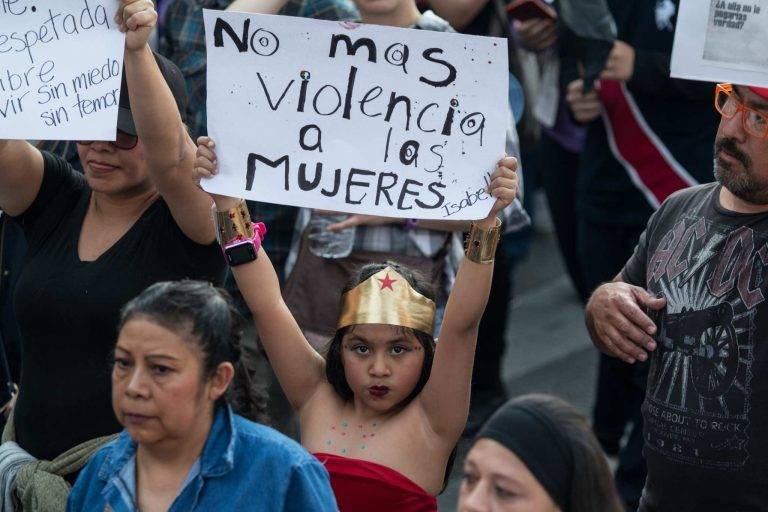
x: 567, y: 132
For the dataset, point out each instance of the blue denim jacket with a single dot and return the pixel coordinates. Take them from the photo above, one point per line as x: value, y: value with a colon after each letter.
x: 244, y: 466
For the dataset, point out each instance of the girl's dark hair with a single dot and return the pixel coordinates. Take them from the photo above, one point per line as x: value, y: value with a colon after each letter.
x: 592, y: 484
x: 206, y: 316
x: 334, y: 369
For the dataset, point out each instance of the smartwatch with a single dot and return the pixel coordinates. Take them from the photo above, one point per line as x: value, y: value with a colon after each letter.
x: 245, y: 250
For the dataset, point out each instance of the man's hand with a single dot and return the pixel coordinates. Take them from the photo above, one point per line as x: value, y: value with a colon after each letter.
x: 585, y: 107
x: 136, y: 18
x: 621, y: 63
x: 536, y: 34
x: 617, y: 323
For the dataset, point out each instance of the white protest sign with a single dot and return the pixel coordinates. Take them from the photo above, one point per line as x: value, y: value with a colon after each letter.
x: 355, y: 118
x: 722, y: 41
x: 60, y: 69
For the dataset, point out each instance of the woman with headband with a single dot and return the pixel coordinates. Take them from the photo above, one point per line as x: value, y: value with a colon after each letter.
x: 385, y: 408
x: 537, y: 453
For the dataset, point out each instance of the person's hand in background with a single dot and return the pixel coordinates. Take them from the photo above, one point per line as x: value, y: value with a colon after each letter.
x: 536, y: 34
x: 585, y: 107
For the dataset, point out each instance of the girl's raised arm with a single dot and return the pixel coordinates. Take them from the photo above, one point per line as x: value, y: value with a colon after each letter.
x: 299, y: 368
x: 445, y: 398
x: 168, y: 150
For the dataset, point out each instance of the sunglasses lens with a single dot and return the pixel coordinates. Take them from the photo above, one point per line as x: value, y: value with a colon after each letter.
x: 125, y: 140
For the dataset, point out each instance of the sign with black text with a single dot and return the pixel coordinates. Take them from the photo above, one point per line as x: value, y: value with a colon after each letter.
x: 355, y: 118
x: 722, y: 41
x: 60, y: 69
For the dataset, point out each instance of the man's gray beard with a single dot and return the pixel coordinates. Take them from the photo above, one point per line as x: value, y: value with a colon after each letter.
x: 741, y: 184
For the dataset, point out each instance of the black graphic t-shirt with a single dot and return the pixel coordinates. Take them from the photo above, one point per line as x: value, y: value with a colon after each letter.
x: 706, y: 405
x: 68, y: 309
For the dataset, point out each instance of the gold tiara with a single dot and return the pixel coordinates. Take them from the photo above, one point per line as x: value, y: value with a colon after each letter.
x: 387, y: 298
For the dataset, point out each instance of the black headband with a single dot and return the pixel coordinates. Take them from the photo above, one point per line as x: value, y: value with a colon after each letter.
x: 532, y: 436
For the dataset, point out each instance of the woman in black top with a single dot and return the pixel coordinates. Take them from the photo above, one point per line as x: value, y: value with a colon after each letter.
x: 96, y: 240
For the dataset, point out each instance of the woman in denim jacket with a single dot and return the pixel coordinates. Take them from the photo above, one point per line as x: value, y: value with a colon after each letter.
x: 176, y: 378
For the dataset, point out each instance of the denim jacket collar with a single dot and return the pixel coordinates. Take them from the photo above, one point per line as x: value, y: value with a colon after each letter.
x: 217, y: 458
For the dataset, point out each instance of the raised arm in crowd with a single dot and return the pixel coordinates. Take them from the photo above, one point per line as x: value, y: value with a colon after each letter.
x: 96, y: 240
x: 382, y: 372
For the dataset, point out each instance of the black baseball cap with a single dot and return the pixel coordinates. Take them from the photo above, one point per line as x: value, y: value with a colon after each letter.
x: 176, y: 84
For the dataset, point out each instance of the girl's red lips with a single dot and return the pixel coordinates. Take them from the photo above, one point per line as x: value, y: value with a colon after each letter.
x: 378, y: 390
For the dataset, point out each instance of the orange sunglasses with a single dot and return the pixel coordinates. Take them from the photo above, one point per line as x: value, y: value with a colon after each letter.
x: 729, y: 105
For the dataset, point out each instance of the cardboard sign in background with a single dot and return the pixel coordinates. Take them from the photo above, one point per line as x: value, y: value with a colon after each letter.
x: 722, y: 41
x: 60, y: 69
x: 355, y: 118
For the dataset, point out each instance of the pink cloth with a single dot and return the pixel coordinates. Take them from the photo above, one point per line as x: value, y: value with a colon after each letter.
x: 362, y: 486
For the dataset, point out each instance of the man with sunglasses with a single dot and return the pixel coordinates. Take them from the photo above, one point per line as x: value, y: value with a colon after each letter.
x: 97, y: 239
x: 692, y: 300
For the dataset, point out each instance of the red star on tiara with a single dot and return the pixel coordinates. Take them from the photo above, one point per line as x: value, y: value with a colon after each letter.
x: 386, y: 282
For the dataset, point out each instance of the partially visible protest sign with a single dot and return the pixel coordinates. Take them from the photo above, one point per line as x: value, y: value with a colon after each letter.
x: 60, y: 69
x: 355, y: 118
x: 722, y: 41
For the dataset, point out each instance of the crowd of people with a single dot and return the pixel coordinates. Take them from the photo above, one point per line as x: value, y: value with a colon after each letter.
x: 129, y: 314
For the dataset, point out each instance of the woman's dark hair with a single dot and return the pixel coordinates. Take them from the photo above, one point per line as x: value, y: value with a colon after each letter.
x: 206, y: 316
x: 334, y: 368
x: 591, y: 482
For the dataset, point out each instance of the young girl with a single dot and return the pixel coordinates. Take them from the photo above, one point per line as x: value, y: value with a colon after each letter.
x: 177, y: 375
x: 385, y: 410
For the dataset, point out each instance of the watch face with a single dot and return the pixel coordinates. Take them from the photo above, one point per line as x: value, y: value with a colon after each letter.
x: 240, y: 253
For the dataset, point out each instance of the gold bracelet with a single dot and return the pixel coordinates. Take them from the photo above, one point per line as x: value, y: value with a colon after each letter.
x: 233, y: 223
x: 481, y: 243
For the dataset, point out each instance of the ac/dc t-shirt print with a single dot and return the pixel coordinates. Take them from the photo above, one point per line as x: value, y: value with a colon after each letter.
x: 706, y: 405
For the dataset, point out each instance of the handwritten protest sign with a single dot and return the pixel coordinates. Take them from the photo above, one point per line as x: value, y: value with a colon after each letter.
x: 722, y: 41
x: 355, y: 118
x: 60, y: 69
